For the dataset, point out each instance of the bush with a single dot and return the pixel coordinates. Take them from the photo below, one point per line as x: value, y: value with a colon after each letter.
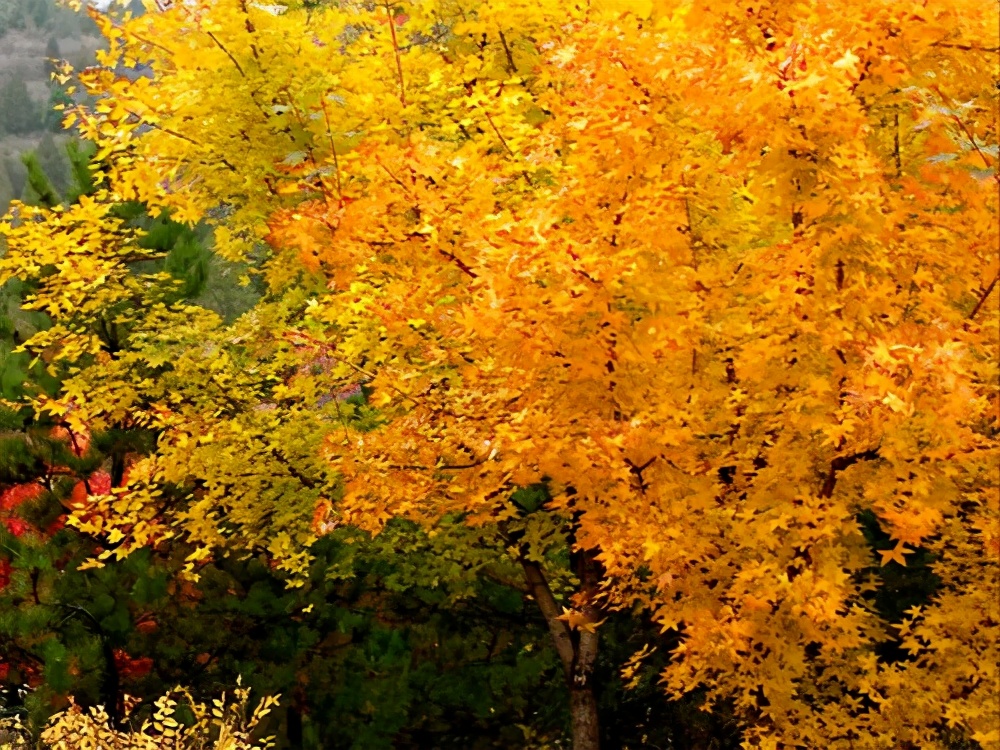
x: 177, y: 721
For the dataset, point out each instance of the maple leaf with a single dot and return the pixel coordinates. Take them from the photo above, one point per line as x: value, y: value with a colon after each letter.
x: 896, y: 554
x: 577, y: 620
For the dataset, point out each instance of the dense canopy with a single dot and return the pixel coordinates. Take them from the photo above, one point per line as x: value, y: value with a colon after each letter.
x: 700, y: 290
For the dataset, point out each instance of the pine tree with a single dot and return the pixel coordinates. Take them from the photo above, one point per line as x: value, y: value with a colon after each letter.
x: 39, y: 11
x: 60, y: 631
x: 52, y: 54
x: 39, y: 191
x: 10, y: 18
x: 18, y: 112
x: 54, y: 161
x: 6, y: 188
x: 57, y: 98
x: 17, y: 174
x: 82, y: 182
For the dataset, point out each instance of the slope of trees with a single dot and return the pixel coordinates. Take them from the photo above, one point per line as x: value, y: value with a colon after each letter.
x: 667, y: 314
x: 40, y: 15
x: 33, y: 33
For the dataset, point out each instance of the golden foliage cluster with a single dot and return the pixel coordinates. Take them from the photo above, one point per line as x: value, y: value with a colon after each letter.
x: 723, y: 275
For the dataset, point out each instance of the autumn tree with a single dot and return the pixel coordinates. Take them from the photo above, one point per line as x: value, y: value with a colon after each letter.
x: 95, y: 631
x: 718, y: 280
x: 66, y: 630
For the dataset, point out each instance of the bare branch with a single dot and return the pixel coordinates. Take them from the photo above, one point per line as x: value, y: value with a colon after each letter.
x: 986, y: 293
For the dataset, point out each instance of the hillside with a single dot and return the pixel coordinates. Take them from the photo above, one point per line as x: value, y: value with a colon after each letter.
x: 31, y: 32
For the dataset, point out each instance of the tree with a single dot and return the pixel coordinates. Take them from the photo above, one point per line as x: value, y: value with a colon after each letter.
x: 18, y: 112
x: 6, y: 188
x: 17, y: 173
x: 58, y: 100
x: 621, y: 256
x: 55, y: 633
x: 39, y: 189
x: 52, y: 56
x: 132, y: 626
x: 42, y: 15
x: 39, y: 11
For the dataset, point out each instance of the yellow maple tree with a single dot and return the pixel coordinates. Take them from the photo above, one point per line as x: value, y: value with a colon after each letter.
x: 719, y: 276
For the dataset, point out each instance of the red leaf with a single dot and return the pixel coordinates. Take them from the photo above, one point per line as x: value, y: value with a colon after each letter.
x: 19, y: 493
x: 16, y: 526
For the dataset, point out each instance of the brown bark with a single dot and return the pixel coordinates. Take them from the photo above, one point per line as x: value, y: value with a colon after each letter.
x: 577, y: 649
x: 586, y: 730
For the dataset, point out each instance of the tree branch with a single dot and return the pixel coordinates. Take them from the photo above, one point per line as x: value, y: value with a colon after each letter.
x: 542, y: 594
x: 511, y: 68
x: 966, y: 47
x: 985, y: 295
x: 228, y: 54
x: 395, y: 49
x: 839, y: 464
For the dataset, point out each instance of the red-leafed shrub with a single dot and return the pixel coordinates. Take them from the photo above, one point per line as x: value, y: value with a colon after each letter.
x: 99, y: 483
x: 12, y: 497
x: 17, y: 526
x: 132, y: 668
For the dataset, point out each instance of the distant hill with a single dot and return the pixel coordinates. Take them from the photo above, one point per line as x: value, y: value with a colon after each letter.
x: 45, y: 17
x: 32, y: 32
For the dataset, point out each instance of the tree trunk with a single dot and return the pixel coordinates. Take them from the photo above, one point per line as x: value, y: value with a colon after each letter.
x: 583, y: 709
x: 577, y: 649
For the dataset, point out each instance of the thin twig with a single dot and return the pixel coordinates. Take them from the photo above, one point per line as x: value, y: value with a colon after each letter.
x: 395, y: 49
x: 250, y: 30
x: 394, y: 177
x: 461, y: 264
x: 511, y: 68
x: 966, y: 47
x: 524, y: 172
x: 333, y: 147
x: 965, y: 129
x: 228, y: 54
x: 985, y: 295
x: 499, y: 134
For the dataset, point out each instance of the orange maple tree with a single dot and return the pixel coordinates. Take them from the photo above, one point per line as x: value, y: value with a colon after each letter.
x: 720, y: 277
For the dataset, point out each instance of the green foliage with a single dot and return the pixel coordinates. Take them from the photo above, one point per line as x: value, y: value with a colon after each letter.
x: 39, y: 191
x: 57, y: 174
x: 16, y: 174
x: 185, y: 255
x: 80, y: 154
x: 52, y: 53
x: 18, y: 112
x: 389, y: 645
x: 53, y: 158
x: 16, y: 325
x: 6, y: 188
x: 53, y: 117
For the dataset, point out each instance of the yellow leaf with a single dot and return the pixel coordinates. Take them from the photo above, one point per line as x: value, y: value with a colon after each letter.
x: 896, y: 554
